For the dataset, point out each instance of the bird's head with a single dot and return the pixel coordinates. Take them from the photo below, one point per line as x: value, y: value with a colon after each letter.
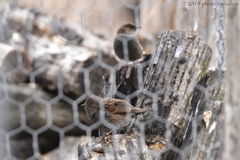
x: 127, y: 28
x: 92, y: 102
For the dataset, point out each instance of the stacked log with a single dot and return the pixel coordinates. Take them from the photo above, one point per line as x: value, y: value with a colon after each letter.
x: 44, y: 71
x: 174, y: 84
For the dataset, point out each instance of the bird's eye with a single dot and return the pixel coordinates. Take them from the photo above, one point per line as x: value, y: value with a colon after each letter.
x: 91, y: 103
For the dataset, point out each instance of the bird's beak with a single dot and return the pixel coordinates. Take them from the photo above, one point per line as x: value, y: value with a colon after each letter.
x: 139, y: 27
x: 83, y: 105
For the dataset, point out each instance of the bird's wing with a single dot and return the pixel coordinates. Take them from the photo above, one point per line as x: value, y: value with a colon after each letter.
x: 116, y: 106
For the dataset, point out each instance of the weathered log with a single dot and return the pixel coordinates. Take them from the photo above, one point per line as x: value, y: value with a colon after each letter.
x: 67, y: 64
x: 180, y: 62
x: 12, y: 62
x: 37, y: 104
x: 41, y: 25
x: 45, y: 26
x: 115, y: 147
x: 207, y: 122
x: 207, y: 128
x: 68, y: 52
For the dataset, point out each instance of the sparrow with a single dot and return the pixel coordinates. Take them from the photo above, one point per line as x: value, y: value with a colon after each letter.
x: 127, y: 45
x: 115, y: 111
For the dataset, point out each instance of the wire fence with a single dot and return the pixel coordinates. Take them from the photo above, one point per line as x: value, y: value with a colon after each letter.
x: 20, y: 138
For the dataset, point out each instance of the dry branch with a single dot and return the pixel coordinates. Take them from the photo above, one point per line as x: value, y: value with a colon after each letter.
x: 180, y: 62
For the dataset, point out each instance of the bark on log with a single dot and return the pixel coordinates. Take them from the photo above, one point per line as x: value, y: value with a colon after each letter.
x: 208, y: 122
x: 114, y: 147
x: 180, y: 62
x: 207, y: 134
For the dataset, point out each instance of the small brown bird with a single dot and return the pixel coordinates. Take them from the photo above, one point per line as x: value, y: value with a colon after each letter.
x: 115, y: 111
x: 127, y: 45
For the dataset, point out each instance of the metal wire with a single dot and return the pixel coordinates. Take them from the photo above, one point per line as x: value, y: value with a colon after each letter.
x: 218, y: 18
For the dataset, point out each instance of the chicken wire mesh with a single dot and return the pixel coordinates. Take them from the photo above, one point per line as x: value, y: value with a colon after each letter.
x: 31, y: 33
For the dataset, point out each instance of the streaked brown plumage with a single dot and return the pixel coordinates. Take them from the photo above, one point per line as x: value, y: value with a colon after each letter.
x: 133, y: 46
x: 115, y: 111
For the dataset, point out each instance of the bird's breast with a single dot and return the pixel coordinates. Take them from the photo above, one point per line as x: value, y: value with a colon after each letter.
x: 127, y: 45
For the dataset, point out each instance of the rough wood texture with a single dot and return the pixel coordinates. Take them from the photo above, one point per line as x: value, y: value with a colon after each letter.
x: 115, y: 147
x: 180, y: 62
x: 208, y: 121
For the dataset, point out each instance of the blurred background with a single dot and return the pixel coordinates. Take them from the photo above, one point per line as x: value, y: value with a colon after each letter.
x: 54, y: 54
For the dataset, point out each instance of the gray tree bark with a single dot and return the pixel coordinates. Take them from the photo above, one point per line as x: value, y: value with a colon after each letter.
x: 180, y: 62
x: 207, y: 127
x: 174, y: 85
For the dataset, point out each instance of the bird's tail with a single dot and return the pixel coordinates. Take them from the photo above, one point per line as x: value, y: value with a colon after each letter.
x: 147, y: 109
x: 141, y: 110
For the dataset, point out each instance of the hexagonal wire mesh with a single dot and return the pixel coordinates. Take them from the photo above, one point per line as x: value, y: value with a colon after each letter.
x: 29, y: 112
